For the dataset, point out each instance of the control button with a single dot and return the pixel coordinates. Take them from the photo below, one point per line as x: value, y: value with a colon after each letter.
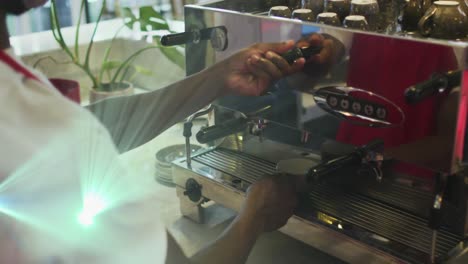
x: 369, y: 110
x: 381, y: 113
x: 356, y: 107
x: 193, y: 190
x: 344, y: 103
x: 333, y: 101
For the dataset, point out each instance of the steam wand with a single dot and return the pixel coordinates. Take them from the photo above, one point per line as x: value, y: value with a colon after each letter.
x: 435, y: 218
x: 188, y: 132
x: 436, y: 84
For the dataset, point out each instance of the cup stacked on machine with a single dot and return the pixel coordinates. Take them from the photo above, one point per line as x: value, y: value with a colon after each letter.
x: 280, y: 11
x: 328, y: 18
x: 420, y: 17
x: 340, y: 7
x: 303, y: 14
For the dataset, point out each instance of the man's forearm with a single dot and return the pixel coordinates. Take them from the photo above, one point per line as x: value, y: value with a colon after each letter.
x: 233, y: 246
x: 134, y: 120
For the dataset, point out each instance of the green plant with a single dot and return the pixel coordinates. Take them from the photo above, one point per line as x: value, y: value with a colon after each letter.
x: 114, y: 71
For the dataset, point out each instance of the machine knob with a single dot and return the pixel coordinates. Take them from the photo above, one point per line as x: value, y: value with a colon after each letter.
x: 216, y: 35
x: 296, y: 53
x: 181, y: 38
x: 193, y: 190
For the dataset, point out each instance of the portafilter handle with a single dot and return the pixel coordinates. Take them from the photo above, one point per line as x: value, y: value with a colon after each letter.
x: 208, y: 134
x: 319, y: 173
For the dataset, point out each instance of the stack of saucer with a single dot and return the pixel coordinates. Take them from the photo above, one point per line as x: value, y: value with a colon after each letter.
x: 164, y: 159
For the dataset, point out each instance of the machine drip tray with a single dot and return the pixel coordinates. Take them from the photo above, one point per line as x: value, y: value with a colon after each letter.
x: 336, y: 207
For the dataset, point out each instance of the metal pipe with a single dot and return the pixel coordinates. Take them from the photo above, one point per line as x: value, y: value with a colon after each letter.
x: 433, y: 246
x: 188, y: 132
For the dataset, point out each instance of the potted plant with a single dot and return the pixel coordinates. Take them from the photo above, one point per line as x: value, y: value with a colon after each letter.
x: 114, y: 76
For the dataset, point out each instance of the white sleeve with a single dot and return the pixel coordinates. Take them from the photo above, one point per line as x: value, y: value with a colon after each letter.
x: 72, y: 198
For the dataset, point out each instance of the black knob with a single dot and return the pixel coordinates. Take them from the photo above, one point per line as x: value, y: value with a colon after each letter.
x: 178, y: 38
x: 187, y: 129
x: 193, y: 190
x: 296, y: 53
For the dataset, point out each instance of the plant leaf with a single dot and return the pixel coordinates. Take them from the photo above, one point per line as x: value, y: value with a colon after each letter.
x: 110, y: 65
x: 150, y: 17
x: 142, y: 70
x: 129, y: 17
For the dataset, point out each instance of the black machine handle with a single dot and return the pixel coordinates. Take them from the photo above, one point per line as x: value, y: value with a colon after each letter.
x: 208, y: 134
x: 296, y: 53
x: 178, y: 38
x: 439, y: 82
x: 215, y: 34
x: 320, y: 172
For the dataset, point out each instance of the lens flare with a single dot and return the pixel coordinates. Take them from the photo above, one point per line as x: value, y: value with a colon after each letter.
x: 93, y: 204
x: 62, y: 189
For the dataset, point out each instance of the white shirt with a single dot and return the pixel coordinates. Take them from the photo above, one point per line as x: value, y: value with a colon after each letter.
x: 58, y: 168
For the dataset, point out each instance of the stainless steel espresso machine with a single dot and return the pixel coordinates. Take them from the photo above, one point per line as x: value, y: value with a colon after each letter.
x: 378, y: 131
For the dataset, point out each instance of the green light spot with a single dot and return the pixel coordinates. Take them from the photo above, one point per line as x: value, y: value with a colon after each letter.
x: 85, y: 219
x: 93, y: 204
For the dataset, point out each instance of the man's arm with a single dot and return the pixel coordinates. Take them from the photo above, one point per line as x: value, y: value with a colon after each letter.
x: 268, y: 205
x: 136, y: 119
x: 233, y: 246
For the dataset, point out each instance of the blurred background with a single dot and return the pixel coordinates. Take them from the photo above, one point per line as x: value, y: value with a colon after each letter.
x: 38, y: 19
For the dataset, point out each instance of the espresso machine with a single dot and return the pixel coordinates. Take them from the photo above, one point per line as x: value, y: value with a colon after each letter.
x: 378, y: 132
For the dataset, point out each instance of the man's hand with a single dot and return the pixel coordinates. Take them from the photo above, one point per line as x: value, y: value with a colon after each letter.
x: 270, y: 202
x: 252, y: 70
x: 332, y: 51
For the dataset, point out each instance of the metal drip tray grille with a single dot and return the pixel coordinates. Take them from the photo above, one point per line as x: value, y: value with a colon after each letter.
x: 404, y: 197
x: 379, y: 218
x: 241, y: 165
x: 351, y: 207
